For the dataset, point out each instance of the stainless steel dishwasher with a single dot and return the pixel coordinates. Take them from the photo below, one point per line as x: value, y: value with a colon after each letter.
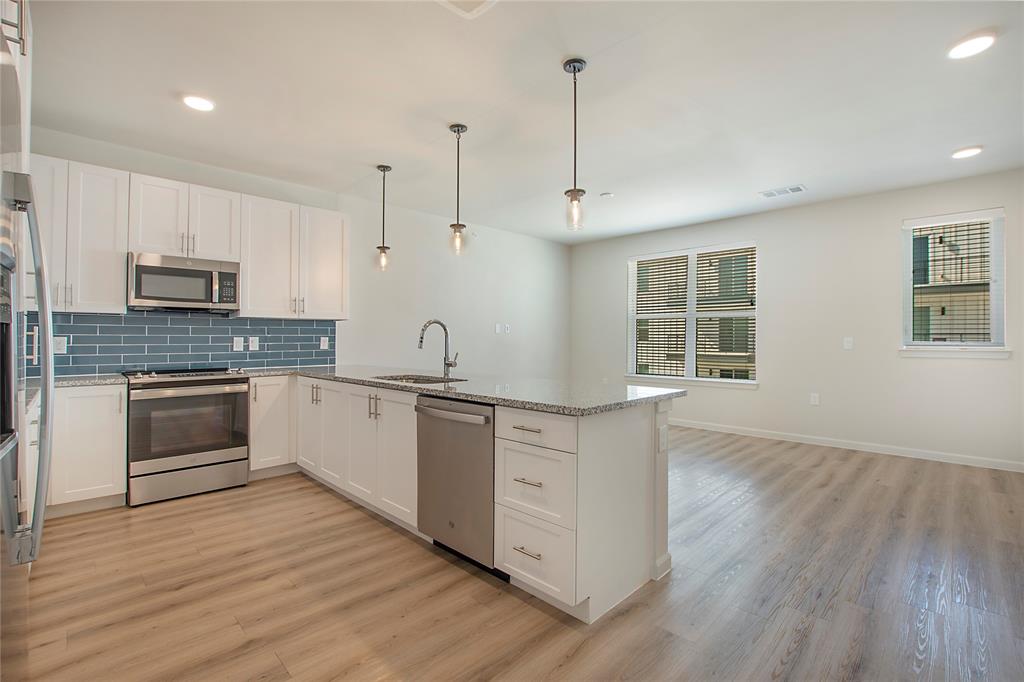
x: 455, y: 442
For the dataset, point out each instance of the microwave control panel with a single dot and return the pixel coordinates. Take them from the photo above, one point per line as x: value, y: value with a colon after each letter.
x: 228, y: 282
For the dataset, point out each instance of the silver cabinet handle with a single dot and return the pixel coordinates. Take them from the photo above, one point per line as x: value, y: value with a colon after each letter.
x: 56, y: 293
x: 312, y: 394
x: 319, y: 389
x: 255, y: 391
x: 523, y: 550
x: 182, y: 249
x: 302, y: 305
x: 520, y: 427
x: 69, y: 299
x: 293, y: 305
x: 376, y: 407
x: 192, y: 239
x: 369, y: 407
x: 524, y: 481
x: 120, y: 402
x: 20, y: 25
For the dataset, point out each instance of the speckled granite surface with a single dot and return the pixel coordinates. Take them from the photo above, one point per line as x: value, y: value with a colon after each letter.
x: 546, y: 395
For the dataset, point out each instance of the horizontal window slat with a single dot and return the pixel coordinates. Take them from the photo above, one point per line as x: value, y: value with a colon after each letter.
x: 725, y: 347
x: 661, y: 285
x: 726, y: 280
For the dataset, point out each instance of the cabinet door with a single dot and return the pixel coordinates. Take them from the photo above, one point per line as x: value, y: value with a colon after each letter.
x: 159, y: 216
x: 270, y: 419
x: 214, y: 224
x: 334, y: 404
x: 361, y: 444
x: 270, y: 258
x: 50, y: 190
x: 97, y: 245
x: 309, y: 454
x: 396, y: 454
x: 323, y: 270
x: 90, y: 431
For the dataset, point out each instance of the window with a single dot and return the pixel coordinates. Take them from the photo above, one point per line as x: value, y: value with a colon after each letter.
x: 692, y: 313
x: 953, y: 280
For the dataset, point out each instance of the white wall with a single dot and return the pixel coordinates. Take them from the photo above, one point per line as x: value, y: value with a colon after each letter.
x: 503, y: 277
x: 826, y: 271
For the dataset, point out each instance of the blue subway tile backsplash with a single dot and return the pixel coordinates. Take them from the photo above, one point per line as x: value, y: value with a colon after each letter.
x: 150, y: 340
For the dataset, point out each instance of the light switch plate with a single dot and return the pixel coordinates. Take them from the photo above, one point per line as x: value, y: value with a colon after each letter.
x: 815, y: 399
x: 847, y: 343
x: 325, y: 343
x: 497, y: 327
x: 254, y: 343
x: 60, y: 345
x: 238, y: 343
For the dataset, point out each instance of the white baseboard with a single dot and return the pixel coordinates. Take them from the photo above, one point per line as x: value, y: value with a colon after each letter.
x: 270, y: 472
x: 881, y: 449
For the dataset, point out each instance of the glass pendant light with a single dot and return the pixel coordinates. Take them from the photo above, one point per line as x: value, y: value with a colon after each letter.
x: 382, y: 258
x: 574, y: 196
x: 458, y: 238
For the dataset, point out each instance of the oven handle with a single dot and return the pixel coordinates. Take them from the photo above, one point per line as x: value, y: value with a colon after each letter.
x: 185, y: 391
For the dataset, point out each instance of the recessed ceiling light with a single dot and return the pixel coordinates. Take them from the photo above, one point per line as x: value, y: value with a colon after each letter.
x: 972, y: 46
x: 607, y: 195
x: 198, y: 103
x: 967, y: 152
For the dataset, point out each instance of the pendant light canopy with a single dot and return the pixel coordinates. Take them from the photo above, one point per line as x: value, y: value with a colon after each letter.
x: 458, y: 238
x: 382, y: 258
x: 574, y: 195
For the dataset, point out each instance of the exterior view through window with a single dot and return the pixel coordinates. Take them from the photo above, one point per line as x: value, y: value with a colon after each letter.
x: 955, y: 286
x: 692, y: 314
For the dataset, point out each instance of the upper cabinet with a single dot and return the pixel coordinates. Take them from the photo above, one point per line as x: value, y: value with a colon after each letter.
x: 214, y: 224
x: 83, y: 221
x: 293, y: 261
x: 174, y: 218
x: 159, y: 216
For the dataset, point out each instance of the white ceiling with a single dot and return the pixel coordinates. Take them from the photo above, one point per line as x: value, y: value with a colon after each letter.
x: 687, y: 110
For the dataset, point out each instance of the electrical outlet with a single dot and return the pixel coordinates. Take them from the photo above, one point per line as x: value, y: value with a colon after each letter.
x: 325, y: 343
x: 60, y: 345
x: 254, y: 343
x: 508, y: 329
x: 238, y: 343
x: 847, y: 343
x: 815, y: 399
x: 497, y: 327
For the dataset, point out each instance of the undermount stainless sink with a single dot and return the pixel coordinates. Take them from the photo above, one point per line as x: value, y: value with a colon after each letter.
x: 417, y: 378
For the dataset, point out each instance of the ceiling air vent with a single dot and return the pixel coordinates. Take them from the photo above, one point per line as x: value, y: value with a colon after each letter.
x: 782, y: 191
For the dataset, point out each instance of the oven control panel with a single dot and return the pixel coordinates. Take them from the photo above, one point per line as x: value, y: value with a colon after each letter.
x: 228, y: 282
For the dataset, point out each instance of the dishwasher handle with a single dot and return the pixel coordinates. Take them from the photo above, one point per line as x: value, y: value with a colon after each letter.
x: 453, y: 416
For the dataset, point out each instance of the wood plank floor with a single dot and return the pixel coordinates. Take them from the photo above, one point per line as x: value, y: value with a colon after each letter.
x: 790, y: 562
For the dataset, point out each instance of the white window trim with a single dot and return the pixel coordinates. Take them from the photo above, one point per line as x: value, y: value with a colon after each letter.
x: 691, y: 315
x: 997, y: 293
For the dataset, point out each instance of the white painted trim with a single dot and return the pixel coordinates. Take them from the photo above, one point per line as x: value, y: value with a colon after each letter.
x: 271, y: 472
x: 878, y: 448
x: 948, y: 218
x: 972, y: 352
x: 55, y: 511
x: 654, y: 380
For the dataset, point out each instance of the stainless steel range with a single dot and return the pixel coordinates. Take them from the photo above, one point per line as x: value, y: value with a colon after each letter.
x: 188, y: 433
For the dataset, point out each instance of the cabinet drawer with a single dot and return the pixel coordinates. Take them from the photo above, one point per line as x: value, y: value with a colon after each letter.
x: 547, y: 430
x: 536, y: 552
x: 537, y: 481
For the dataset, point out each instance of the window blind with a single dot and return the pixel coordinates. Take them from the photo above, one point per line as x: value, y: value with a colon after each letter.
x: 726, y: 280
x: 725, y: 347
x: 951, y: 280
x: 661, y: 285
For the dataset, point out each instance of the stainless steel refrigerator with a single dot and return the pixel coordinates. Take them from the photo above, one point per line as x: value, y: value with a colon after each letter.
x: 21, y: 252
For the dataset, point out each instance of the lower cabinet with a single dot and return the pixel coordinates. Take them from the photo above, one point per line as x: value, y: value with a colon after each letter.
x: 90, y: 442
x: 270, y: 422
x: 361, y: 439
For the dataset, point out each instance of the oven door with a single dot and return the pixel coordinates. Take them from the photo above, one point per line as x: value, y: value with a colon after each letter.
x: 187, y: 426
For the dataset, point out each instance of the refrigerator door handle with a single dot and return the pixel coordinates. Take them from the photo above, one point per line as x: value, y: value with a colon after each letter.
x: 28, y: 538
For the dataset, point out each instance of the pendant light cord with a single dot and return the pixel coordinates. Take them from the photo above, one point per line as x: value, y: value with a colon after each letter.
x: 458, y: 173
x: 574, y: 130
x: 383, y: 204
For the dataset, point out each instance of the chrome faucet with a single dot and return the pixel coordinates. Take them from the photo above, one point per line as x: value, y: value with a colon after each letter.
x: 448, y: 364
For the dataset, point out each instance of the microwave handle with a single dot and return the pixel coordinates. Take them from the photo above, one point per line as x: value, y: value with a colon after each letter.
x: 215, y: 294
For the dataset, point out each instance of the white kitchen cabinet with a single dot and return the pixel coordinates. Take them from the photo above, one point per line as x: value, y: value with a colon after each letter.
x: 89, y: 442
x: 309, y: 452
x: 270, y: 257
x: 331, y: 401
x: 536, y: 552
x: 50, y: 191
x: 159, y: 216
x: 396, y: 454
x: 214, y: 224
x: 322, y: 269
x: 97, y: 242
x: 270, y: 422
x: 361, y: 442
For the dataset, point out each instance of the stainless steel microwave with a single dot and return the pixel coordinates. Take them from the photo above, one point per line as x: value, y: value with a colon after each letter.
x: 170, y: 282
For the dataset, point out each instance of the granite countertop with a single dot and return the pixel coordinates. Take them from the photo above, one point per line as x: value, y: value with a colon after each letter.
x: 577, y: 399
